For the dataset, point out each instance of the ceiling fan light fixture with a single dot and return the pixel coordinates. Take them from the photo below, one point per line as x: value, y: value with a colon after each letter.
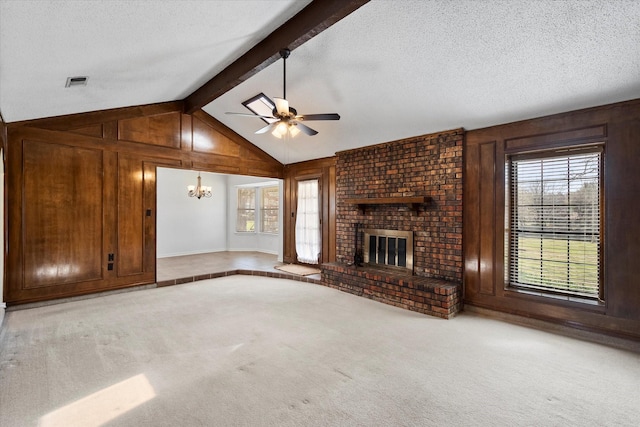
x: 280, y: 130
x: 293, y: 130
x: 284, y: 128
x: 282, y: 119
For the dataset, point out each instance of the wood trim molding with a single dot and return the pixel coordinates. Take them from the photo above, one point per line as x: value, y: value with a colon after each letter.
x: 583, y: 135
x: 588, y: 118
x: 81, y: 120
x: 309, y: 22
x: 3, y: 134
x: 309, y: 167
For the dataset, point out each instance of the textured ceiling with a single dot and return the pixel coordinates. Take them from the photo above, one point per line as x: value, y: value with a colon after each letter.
x: 392, y: 69
x: 134, y: 52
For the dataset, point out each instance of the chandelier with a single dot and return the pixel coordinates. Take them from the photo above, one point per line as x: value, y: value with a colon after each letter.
x: 198, y: 190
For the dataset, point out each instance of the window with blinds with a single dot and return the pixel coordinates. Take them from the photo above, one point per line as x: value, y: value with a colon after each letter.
x: 554, y: 222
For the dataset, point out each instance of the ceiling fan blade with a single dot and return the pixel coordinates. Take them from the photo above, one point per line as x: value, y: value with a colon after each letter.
x: 306, y: 129
x: 250, y: 115
x: 327, y: 116
x: 282, y: 105
x: 267, y: 128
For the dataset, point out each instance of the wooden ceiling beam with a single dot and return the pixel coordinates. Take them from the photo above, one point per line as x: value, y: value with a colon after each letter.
x: 316, y: 17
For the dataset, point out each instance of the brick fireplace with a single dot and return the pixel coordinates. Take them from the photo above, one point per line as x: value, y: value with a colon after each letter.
x: 412, y: 186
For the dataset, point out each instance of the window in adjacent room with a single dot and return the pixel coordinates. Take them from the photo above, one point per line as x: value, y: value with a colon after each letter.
x: 246, y: 214
x: 269, y: 208
x: 554, y: 222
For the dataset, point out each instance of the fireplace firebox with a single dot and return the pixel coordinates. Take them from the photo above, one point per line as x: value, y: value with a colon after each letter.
x: 389, y: 249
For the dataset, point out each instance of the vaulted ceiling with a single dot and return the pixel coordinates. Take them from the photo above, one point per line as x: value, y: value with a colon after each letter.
x: 391, y: 69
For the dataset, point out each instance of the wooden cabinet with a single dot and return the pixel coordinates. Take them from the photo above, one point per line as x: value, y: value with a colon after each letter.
x: 62, y: 207
x: 76, y: 223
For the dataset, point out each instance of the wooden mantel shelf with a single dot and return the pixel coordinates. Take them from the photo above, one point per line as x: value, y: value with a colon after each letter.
x: 413, y: 202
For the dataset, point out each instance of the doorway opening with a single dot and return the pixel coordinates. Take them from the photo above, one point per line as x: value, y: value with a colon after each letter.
x: 189, y: 229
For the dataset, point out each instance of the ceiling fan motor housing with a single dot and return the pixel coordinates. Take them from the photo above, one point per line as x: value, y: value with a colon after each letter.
x: 292, y: 114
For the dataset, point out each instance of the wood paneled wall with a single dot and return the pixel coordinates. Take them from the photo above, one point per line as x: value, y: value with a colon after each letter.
x: 81, y: 193
x: 618, y: 128
x: 325, y: 171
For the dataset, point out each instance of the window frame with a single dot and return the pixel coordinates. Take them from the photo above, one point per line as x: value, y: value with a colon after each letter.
x: 263, y: 209
x: 510, y: 199
x: 242, y: 209
x: 258, y: 208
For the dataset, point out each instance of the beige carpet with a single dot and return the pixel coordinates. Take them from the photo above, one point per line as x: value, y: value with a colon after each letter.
x: 254, y: 351
x: 298, y: 269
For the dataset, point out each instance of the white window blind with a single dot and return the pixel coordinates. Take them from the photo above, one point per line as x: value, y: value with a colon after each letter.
x: 554, y: 223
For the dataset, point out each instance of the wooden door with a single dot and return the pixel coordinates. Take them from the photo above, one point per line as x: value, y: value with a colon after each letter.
x: 136, y: 219
x: 324, y: 170
x: 62, y: 209
x: 80, y: 220
x: 308, y: 221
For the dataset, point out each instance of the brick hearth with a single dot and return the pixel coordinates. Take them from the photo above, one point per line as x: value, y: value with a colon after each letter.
x: 422, y: 294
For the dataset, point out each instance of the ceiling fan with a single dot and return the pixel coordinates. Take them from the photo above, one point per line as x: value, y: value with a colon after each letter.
x: 285, y: 119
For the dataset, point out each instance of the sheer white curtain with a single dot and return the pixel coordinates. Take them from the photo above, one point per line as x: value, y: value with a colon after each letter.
x: 308, y: 222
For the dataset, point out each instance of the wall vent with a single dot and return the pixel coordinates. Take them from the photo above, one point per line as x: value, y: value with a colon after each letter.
x: 76, y: 81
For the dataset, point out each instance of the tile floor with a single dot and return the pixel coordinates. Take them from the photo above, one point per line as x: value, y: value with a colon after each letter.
x: 188, y: 268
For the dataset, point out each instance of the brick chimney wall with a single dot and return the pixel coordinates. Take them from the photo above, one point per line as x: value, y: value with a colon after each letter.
x: 428, y: 165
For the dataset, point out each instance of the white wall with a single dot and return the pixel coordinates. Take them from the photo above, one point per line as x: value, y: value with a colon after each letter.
x: 261, y: 242
x: 187, y: 225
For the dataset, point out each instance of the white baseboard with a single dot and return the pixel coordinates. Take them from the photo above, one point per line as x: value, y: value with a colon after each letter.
x: 202, y: 251
x: 253, y: 250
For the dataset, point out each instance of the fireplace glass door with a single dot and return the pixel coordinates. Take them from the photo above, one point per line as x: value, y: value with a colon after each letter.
x: 389, y: 248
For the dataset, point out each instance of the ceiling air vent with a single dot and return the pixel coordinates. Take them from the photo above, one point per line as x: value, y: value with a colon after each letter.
x: 76, y: 81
